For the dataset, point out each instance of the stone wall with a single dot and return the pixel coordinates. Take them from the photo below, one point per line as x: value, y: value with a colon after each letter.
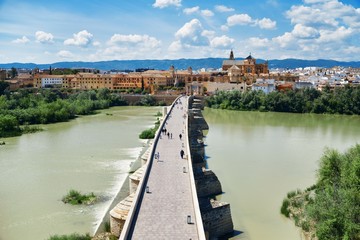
x: 216, y: 216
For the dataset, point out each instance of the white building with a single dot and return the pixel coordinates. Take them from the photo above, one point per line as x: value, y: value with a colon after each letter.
x: 48, y: 82
x: 267, y: 86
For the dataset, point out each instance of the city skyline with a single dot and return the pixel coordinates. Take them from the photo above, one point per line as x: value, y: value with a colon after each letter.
x: 46, y: 32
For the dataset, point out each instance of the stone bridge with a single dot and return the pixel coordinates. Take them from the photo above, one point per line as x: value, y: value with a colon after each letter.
x: 172, y: 196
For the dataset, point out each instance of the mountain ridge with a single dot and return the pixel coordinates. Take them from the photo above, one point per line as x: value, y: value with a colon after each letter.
x: 182, y: 63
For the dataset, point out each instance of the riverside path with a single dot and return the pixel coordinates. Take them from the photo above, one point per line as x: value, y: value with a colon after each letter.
x: 166, y: 208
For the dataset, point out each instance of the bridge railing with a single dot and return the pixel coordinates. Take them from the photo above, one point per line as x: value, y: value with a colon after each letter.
x: 198, y: 219
x: 129, y: 225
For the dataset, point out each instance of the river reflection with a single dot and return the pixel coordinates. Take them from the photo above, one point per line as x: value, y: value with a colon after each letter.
x: 259, y: 157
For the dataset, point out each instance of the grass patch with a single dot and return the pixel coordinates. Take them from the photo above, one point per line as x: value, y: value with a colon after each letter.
x: 76, y: 198
x: 73, y: 236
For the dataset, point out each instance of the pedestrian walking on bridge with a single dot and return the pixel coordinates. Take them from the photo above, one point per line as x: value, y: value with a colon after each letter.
x: 182, y: 154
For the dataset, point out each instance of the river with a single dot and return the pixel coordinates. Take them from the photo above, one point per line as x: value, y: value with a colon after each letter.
x: 259, y: 157
x: 89, y: 154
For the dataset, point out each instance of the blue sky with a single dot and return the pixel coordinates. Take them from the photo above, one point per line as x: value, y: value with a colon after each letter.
x: 42, y: 31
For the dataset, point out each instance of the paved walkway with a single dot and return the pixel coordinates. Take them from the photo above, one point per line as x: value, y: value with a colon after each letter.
x: 164, y: 210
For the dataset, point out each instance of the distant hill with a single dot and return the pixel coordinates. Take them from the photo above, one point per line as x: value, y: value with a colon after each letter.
x: 178, y: 63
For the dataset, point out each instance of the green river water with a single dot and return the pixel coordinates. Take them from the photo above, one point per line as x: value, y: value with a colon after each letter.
x: 89, y: 154
x: 258, y: 158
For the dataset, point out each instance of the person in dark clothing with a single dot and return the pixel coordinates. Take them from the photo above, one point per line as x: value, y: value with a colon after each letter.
x: 180, y: 136
x: 182, y: 153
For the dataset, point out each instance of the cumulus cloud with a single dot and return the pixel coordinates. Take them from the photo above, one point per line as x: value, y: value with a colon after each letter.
x: 22, y: 40
x: 287, y: 40
x: 245, y: 19
x: 65, y: 54
x: 166, y: 3
x: 131, y: 46
x: 266, y: 23
x: 256, y: 42
x: 239, y: 19
x: 207, y: 13
x: 301, y: 31
x: 208, y: 33
x: 222, y: 8
x: 192, y: 10
x: 322, y: 28
x: 135, y: 39
x: 221, y: 42
x: 190, y: 33
x: 334, y: 36
x: 43, y: 37
x: 82, y: 39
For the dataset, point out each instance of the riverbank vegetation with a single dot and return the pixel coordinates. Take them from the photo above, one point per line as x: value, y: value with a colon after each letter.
x: 150, y: 133
x: 338, y: 101
x: 73, y: 236
x: 331, y: 208
x: 42, y: 106
x: 76, y: 198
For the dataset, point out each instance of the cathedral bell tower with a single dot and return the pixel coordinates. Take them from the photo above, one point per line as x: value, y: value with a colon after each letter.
x: 231, y: 55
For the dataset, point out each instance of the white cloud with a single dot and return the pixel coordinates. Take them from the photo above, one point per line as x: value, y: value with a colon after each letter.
x: 167, y: 3
x: 208, y: 33
x: 352, y: 50
x: 135, y: 39
x: 175, y: 46
x: 43, y: 37
x: 190, y: 29
x: 65, y: 54
x: 222, y: 8
x: 266, y: 23
x: 224, y: 28
x: 82, y: 39
x: 245, y: 19
x: 239, y: 19
x: 22, y: 40
x: 338, y: 35
x: 285, y: 41
x: 207, y: 13
x: 96, y: 44
x: 256, y: 42
x: 192, y: 10
x: 301, y: 31
x: 327, y: 13
x: 221, y: 42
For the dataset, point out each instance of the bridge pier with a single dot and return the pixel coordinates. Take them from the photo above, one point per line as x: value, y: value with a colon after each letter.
x: 216, y: 216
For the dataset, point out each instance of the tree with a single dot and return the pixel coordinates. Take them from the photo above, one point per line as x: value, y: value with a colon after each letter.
x: 14, y: 72
x: 3, y: 87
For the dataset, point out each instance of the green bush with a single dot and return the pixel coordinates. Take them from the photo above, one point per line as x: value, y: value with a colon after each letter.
x: 285, y: 208
x: 75, y: 198
x: 148, y: 133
